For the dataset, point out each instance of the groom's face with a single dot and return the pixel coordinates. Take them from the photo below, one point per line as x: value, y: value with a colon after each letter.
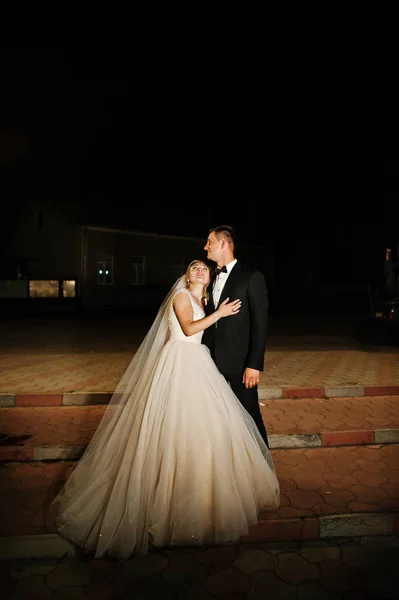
x: 212, y: 247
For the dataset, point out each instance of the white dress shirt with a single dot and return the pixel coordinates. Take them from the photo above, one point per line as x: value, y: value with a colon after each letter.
x: 220, y: 281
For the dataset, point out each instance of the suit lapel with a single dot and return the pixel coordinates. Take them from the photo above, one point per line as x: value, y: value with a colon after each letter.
x: 230, y: 283
x: 211, y: 303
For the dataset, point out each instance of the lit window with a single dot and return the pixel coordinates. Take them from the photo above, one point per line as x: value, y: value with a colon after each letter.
x: 105, y: 270
x: 44, y: 289
x: 138, y: 267
x: 388, y: 254
x: 69, y: 288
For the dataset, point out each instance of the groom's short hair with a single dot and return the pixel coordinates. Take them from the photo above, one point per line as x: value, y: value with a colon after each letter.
x: 225, y: 231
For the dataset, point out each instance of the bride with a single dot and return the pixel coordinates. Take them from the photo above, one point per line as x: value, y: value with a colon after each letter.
x: 176, y: 459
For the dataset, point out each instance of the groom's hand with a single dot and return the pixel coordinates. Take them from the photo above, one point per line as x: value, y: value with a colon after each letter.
x: 250, y: 378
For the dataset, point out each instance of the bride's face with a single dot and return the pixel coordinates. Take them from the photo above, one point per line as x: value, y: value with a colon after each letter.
x: 199, y: 273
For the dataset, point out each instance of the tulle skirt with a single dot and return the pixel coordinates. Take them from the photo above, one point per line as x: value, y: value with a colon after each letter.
x: 181, y: 462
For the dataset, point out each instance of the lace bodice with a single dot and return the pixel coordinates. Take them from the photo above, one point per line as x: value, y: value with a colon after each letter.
x: 176, y: 332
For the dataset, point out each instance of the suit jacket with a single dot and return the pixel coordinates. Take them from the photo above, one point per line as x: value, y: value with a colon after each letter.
x: 239, y: 341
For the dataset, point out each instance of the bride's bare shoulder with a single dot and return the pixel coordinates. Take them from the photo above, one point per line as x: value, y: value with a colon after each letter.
x: 181, y: 291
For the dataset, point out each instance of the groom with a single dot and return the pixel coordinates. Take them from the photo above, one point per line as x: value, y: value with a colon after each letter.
x: 238, y: 344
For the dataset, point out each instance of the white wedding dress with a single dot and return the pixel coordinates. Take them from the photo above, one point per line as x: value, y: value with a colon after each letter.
x: 178, y: 462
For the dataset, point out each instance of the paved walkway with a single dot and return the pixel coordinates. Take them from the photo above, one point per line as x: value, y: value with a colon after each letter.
x: 66, y: 355
x: 357, y: 569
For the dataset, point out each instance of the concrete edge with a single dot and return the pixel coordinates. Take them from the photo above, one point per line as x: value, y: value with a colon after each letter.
x: 47, y: 545
x: 310, y: 440
x: 358, y: 524
x: 340, y: 525
x: 8, y: 400
x: 268, y: 530
x: 58, y: 452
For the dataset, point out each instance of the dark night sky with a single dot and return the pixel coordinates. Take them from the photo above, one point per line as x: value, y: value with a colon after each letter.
x: 154, y: 147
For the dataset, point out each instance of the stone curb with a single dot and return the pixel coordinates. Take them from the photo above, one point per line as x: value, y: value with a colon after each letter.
x: 270, y: 530
x: 275, y: 393
x: 265, y: 393
x: 277, y: 442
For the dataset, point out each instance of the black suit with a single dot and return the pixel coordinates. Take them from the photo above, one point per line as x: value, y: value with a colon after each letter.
x: 239, y: 341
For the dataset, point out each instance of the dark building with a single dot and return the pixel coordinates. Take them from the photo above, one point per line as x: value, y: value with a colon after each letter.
x: 72, y: 253
x: 53, y: 256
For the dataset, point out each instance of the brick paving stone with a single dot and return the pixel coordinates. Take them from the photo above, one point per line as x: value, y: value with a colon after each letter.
x: 70, y: 592
x: 145, y: 564
x: 313, y: 591
x: 268, y: 585
x: 107, y: 581
x: 213, y: 557
x: 303, y: 499
x: 337, y: 497
x: 280, y: 546
x: 376, y: 543
x: 317, y: 551
x: 70, y: 572
x: 97, y: 590
x: 226, y: 582
x: 34, y: 588
x: 184, y: 567
x: 148, y: 588
x: 26, y: 568
x: 340, y: 578
x: 196, y: 591
x: 392, y: 489
x: 386, y: 587
x: 253, y: 560
x: 293, y: 568
x: 370, y: 479
x: 355, y: 555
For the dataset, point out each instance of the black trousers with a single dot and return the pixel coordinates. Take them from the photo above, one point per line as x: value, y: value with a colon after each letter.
x: 250, y: 400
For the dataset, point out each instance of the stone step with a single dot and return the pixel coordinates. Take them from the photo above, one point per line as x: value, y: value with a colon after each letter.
x: 337, y: 421
x: 63, y: 432
x: 322, y: 490
x: 101, y: 393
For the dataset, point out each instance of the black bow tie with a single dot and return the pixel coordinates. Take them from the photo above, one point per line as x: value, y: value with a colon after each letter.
x: 222, y: 270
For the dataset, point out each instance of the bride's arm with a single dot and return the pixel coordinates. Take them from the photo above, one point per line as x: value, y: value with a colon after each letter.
x: 184, y: 313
